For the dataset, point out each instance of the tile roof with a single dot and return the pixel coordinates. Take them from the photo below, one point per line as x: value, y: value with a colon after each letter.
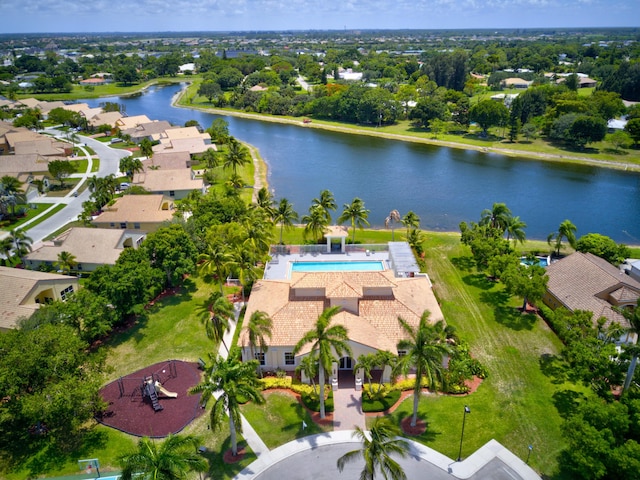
x: 165, y: 180
x: 169, y: 160
x: 376, y: 324
x: 15, y: 286
x: 137, y: 209
x: 583, y: 281
x: 88, y: 245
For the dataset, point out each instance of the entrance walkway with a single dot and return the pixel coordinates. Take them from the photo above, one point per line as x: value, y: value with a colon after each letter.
x: 347, y: 404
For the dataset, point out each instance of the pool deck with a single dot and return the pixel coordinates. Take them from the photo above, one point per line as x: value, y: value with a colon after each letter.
x: 278, y: 267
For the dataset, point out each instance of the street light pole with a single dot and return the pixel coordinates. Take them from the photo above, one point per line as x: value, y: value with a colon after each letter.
x: 464, y: 417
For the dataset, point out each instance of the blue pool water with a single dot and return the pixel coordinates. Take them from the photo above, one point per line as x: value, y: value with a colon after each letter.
x: 358, y: 266
x: 540, y: 261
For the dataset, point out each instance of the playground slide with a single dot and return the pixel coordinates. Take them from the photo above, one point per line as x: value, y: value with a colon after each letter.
x: 164, y: 392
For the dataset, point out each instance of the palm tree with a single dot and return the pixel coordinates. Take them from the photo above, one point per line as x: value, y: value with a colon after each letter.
x: 233, y: 381
x: 10, y: 190
x: 245, y: 261
x: 264, y: 200
x: 391, y: 220
x: 217, y: 262
x: 378, y: 446
x: 21, y: 243
x: 259, y: 329
x: 309, y: 366
x: 367, y: 363
x: 356, y: 214
x: 315, y: 223
x: 66, y: 262
x: 425, y: 349
x: 324, y: 338
x: 236, y: 155
x: 633, y: 316
x: 284, y: 215
x: 515, y: 229
x: 146, y: 147
x: 411, y: 221
x: 384, y: 358
x: 171, y: 459
x: 327, y: 202
x: 210, y: 158
x: 565, y: 230
x: 6, y: 246
x: 217, y: 314
x: 497, y: 217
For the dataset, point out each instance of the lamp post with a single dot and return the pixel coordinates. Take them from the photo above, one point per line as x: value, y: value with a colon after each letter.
x: 529, y: 454
x: 464, y: 417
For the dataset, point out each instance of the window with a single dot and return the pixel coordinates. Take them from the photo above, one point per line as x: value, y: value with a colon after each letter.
x: 123, y: 225
x: 112, y: 225
x: 289, y: 359
x: 402, y: 353
x: 172, y: 193
x: 259, y: 356
x: 64, y: 294
x: 136, y: 226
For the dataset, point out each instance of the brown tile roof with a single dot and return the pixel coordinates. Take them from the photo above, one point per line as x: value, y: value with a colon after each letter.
x: 14, y: 165
x: 584, y: 282
x: 165, y: 180
x: 169, y: 160
x: 376, y: 325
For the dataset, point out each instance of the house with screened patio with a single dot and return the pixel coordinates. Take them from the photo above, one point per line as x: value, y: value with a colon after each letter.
x: 373, y: 286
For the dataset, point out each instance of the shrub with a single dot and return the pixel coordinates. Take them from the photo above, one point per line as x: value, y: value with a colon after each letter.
x: 379, y: 401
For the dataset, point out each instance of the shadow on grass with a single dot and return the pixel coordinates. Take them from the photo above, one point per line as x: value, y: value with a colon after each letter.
x: 39, y: 457
x: 479, y: 280
x: 465, y: 264
x: 553, y: 367
x: 505, y: 314
x: 567, y: 401
x: 217, y: 466
x: 300, y: 429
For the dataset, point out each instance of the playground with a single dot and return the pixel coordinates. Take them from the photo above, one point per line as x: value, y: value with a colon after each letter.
x: 154, y: 401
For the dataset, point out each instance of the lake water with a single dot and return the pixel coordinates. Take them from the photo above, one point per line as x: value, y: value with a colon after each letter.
x: 443, y: 186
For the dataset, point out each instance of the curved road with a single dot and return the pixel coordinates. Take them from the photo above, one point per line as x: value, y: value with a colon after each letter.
x: 109, y: 163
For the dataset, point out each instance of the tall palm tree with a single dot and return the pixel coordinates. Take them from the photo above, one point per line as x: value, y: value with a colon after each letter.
x: 315, y: 223
x: 217, y: 313
x: 515, y: 229
x: 233, y: 381
x: 217, y: 262
x: 356, y: 213
x: 236, y: 155
x: 497, y: 217
x: 245, y: 261
x: 210, y: 158
x: 565, y: 230
x: 378, y: 446
x: 21, y: 243
x: 146, y: 147
x: 259, y: 329
x: 425, y: 348
x: 264, y: 200
x: 391, y: 220
x: 411, y: 221
x: 171, y: 459
x: 10, y: 190
x: 284, y: 215
x: 324, y: 339
x: 66, y: 262
x: 385, y: 358
x: 327, y: 202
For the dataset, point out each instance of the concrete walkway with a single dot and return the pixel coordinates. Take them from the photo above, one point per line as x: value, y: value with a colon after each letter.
x: 347, y: 409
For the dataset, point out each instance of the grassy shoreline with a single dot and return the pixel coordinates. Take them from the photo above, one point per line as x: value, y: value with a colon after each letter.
x: 400, y: 133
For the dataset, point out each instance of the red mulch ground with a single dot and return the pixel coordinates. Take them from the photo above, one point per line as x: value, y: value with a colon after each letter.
x: 419, y: 429
x: 229, y: 458
x: 132, y: 414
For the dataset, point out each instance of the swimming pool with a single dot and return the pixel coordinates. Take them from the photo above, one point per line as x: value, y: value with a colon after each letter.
x: 355, y: 266
x: 540, y: 261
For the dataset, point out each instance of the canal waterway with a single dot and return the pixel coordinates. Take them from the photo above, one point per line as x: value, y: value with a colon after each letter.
x: 444, y: 186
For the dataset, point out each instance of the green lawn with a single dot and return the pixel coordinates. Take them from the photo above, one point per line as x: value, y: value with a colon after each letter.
x: 8, y: 225
x: 279, y: 420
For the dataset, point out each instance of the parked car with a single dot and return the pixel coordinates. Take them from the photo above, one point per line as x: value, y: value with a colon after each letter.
x: 116, y: 140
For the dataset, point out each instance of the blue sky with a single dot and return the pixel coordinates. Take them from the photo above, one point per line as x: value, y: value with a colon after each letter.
x: 225, y: 15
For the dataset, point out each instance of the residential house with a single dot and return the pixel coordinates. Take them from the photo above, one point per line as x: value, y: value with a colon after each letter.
x: 175, y: 184
x: 91, y: 247
x: 23, y: 291
x: 136, y: 212
x: 95, y: 119
x: 370, y: 301
x: 150, y: 130
x: 168, y: 161
x: 583, y: 281
x: 515, y: 82
x: 125, y: 123
x: 185, y: 139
